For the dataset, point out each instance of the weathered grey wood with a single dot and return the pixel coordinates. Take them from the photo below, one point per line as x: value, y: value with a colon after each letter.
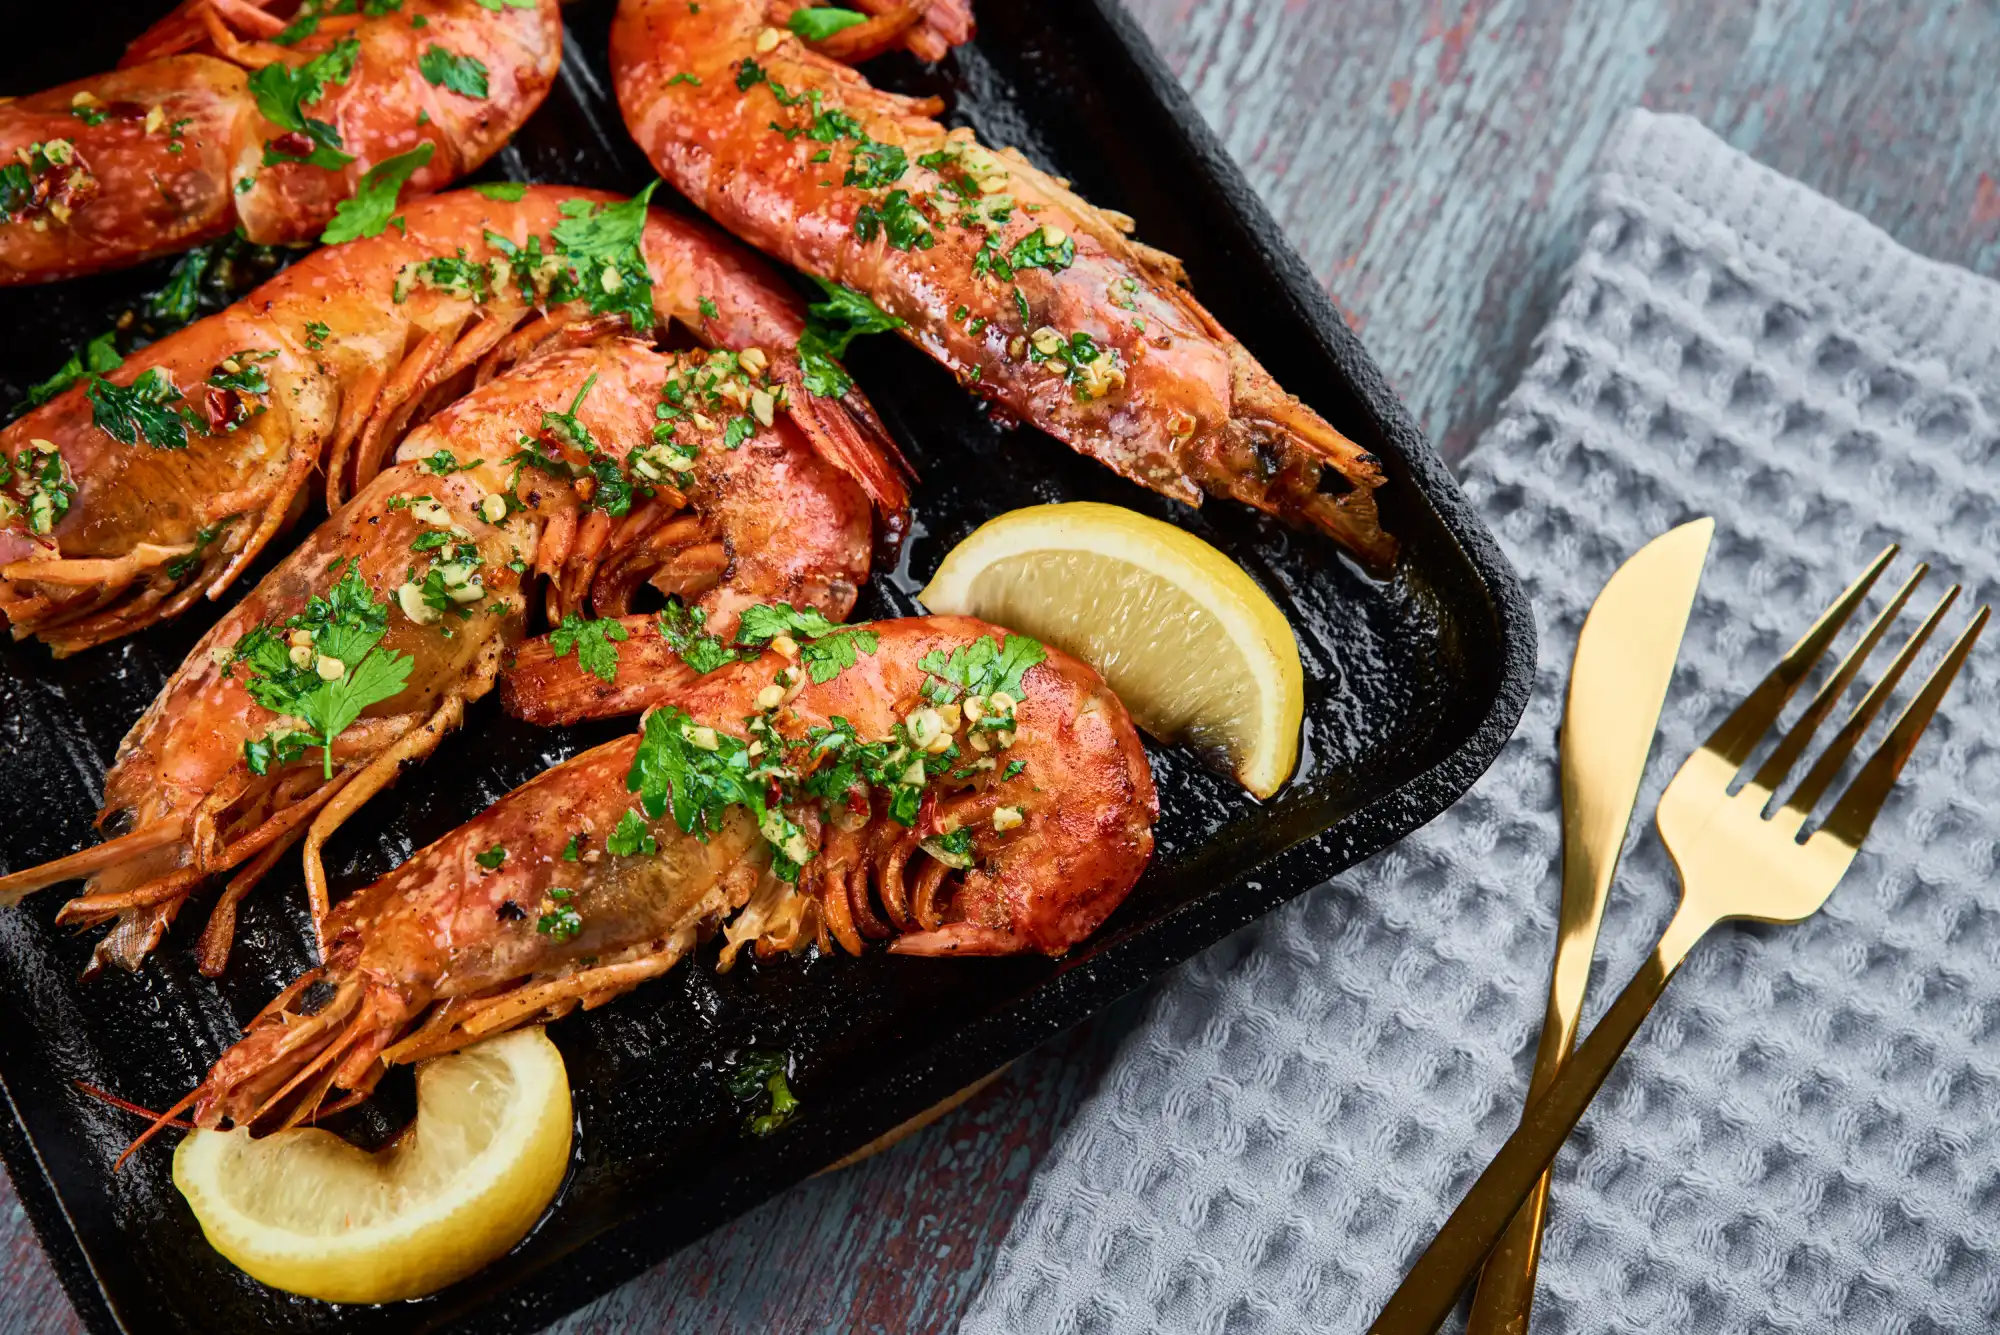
x: 1428, y: 158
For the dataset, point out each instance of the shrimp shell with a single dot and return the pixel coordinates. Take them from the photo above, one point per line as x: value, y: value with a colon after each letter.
x: 177, y: 154
x: 350, y: 367
x: 181, y: 799
x: 447, y: 949
x: 1107, y: 350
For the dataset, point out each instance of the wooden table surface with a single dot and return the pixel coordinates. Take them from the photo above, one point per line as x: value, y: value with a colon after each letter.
x: 1429, y: 158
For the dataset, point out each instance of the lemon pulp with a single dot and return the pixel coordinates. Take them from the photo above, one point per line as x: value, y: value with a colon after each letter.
x: 304, y: 1211
x: 1198, y: 653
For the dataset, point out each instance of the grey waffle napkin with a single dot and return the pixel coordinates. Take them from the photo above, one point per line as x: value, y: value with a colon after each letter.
x: 1803, y: 1135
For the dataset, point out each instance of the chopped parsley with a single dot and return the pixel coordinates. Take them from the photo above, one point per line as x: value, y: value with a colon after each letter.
x: 316, y: 333
x: 707, y: 308
x: 457, y: 274
x: 825, y: 647
x: 306, y: 22
x: 698, y: 773
x: 1013, y: 767
x: 685, y: 77
x: 282, y: 92
x: 368, y: 212
x: 444, y: 463
x: 497, y: 5
x: 816, y: 25
x: 93, y: 116
x: 1032, y: 251
x: 595, y: 642
x: 897, y: 219
x: 573, y: 850
x: 464, y: 75
x: 758, y: 1074
x: 184, y: 564
x: 492, y: 857
x: 562, y: 922
x: 683, y: 628
x: 345, y: 624
x: 874, y: 166
x: 43, y: 484
x: 506, y: 192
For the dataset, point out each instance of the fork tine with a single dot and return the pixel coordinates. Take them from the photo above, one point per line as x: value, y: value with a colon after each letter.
x: 1859, y: 805
x: 1772, y: 772
x: 1821, y: 776
x: 1749, y: 721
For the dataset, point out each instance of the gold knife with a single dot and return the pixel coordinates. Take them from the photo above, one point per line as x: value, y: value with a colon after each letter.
x: 1625, y: 658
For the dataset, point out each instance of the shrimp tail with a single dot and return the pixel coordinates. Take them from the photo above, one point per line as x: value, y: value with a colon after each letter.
x: 847, y: 433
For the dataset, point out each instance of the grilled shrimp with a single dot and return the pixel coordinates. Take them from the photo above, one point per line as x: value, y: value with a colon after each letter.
x: 128, y: 497
x: 224, y: 115
x: 954, y: 788
x: 1038, y: 301
x: 561, y: 471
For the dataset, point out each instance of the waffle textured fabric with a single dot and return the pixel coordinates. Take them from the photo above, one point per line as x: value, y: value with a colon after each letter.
x: 1803, y: 1136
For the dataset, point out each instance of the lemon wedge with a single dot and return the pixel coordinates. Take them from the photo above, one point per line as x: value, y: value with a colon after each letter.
x: 305, y: 1211
x: 1193, y: 647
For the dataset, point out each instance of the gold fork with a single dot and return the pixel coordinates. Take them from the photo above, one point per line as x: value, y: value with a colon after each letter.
x: 1735, y: 861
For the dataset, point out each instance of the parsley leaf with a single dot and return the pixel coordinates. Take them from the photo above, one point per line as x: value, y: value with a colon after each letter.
x: 492, y: 857
x: 763, y: 622
x: 464, y: 75
x: 669, y: 772
x: 95, y: 357
x: 497, y: 5
x: 142, y: 410
x: 816, y: 25
x: 831, y: 325
x: 507, y: 192
x: 367, y: 213
x: 345, y: 623
x: 282, y: 92
x: 826, y: 657
x: 595, y: 643
x: 983, y: 667
x: 573, y: 850
x: 601, y: 243
x: 825, y: 648
x: 631, y: 837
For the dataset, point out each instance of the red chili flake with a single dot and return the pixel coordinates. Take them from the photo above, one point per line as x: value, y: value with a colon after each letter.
x: 222, y: 409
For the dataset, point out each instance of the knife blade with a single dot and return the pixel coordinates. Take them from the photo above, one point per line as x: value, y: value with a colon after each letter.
x: 1625, y: 657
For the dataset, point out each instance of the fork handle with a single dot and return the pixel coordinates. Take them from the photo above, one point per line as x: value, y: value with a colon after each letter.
x: 1429, y: 1292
